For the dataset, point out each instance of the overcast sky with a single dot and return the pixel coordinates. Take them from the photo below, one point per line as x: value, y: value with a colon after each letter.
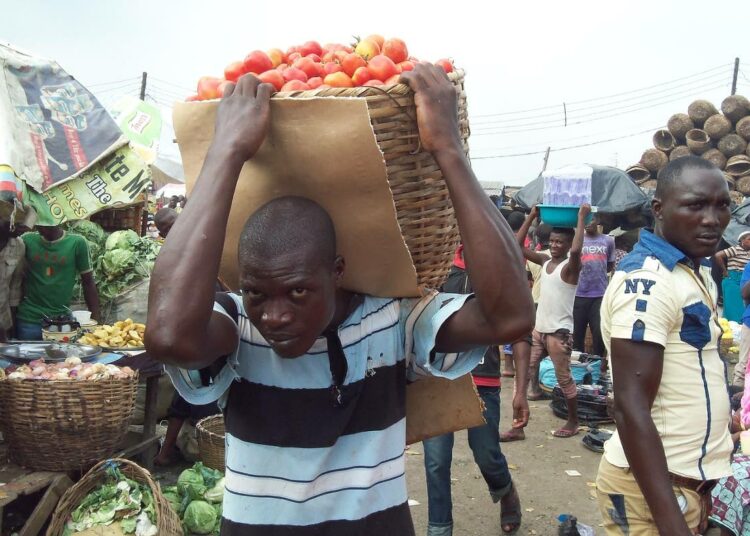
x: 622, y: 68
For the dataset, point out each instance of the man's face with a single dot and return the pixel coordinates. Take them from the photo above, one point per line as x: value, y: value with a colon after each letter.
x: 49, y: 233
x: 593, y: 227
x: 290, y: 299
x: 559, y: 245
x: 694, y: 212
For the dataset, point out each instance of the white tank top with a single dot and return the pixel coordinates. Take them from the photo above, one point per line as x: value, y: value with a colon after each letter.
x: 556, y: 299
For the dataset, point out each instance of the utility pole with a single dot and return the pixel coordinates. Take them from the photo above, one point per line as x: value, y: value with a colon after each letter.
x: 546, y: 158
x: 143, y: 86
x: 734, y: 76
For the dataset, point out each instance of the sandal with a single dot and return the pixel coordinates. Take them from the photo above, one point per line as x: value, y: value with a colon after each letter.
x: 510, y: 517
x: 563, y: 433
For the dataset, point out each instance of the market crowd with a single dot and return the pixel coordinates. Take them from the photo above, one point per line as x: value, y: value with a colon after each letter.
x: 311, y: 377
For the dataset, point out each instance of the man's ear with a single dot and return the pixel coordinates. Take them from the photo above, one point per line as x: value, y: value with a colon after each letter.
x: 656, y: 208
x: 339, y: 266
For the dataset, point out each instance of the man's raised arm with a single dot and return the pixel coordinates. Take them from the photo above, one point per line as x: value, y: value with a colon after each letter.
x: 183, y: 328
x: 503, y: 309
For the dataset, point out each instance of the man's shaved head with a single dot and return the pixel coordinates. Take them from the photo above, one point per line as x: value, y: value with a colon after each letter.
x: 164, y: 220
x: 289, y: 224
x: 672, y: 173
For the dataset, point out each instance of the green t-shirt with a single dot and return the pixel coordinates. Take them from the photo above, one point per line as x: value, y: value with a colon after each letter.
x: 52, y: 270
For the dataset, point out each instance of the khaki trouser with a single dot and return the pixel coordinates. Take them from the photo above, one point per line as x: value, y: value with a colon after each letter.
x: 740, y: 368
x: 559, y: 346
x: 624, y: 510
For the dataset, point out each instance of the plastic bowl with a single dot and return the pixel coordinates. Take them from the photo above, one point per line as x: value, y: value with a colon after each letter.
x: 561, y: 216
x: 82, y: 317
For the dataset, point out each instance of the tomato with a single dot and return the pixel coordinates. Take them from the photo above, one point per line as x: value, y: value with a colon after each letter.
x: 234, y: 70
x: 273, y: 77
x: 294, y: 56
x: 361, y: 76
x: 406, y: 66
x: 332, y: 47
x: 321, y: 70
x: 276, y: 56
x: 367, y: 49
x: 328, y: 56
x: 352, y: 62
x: 222, y: 87
x: 314, y: 57
x: 382, y: 67
x: 339, y: 79
x: 257, y: 62
x: 306, y: 65
x: 393, y: 80
x: 295, y: 85
x: 315, y: 82
x: 292, y: 73
x: 447, y: 65
x: 289, y: 52
x: 192, y: 98
x: 282, y: 66
x: 396, y: 50
x: 311, y: 47
x: 324, y: 86
x: 373, y: 82
x: 208, y: 87
x: 377, y: 38
x: 330, y: 68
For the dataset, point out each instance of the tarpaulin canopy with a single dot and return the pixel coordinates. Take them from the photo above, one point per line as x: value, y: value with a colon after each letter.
x: 612, y: 191
x: 739, y: 223
x: 167, y: 170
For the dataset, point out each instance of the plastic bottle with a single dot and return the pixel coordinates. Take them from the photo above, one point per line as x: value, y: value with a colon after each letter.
x: 569, y: 526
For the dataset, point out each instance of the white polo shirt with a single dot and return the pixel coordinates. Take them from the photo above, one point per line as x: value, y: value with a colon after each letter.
x: 655, y: 296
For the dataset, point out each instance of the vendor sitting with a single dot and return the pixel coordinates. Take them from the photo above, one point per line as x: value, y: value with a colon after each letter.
x: 54, y: 259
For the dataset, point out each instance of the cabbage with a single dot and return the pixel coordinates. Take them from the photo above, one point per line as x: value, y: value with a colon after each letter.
x: 200, y: 517
x: 117, y: 261
x: 215, y: 494
x: 126, y: 239
x: 190, y: 482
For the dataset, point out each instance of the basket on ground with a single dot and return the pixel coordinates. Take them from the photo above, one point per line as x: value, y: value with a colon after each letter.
x: 211, y: 441
x: 65, y: 425
x: 167, y: 521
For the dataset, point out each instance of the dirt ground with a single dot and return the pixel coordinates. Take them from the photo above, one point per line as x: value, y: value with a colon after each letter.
x: 538, y: 466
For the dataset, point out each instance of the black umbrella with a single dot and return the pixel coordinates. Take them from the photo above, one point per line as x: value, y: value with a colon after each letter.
x: 612, y: 191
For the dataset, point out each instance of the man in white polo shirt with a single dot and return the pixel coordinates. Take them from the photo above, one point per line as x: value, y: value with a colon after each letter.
x: 659, y: 322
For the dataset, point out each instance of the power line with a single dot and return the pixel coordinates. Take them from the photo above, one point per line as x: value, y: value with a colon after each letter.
x: 583, y: 120
x: 167, y: 91
x: 183, y: 88
x: 99, y: 84
x: 568, y: 148
x: 693, y: 85
x: 573, y: 103
x: 126, y: 88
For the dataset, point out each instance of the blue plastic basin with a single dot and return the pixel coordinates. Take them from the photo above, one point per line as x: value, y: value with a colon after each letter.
x: 561, y: 215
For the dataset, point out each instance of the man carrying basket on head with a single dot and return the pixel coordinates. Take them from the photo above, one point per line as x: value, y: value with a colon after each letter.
x: 312, y: 377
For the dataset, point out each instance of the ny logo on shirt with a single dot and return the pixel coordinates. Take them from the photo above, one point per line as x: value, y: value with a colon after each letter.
x: 631, y: 286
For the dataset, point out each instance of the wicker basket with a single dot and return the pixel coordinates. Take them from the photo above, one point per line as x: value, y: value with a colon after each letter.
x: 732, y: 145
x: 700, y: 110
x: 679, y: 151
x: 654, y: 159
x: 211, y: 441
x: 679, y: 125
x: 663, y: 140
x: 698, y: 141
x: 716, y: 157
x: 717, y: 126
x: 423, y: 207
x: 738, y: 166
x: 65, y: 425
x: 167, y: 521
x: 735, y: 107
x: 638, y: 173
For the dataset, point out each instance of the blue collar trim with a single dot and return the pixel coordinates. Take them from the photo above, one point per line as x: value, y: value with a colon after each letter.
x: 656, y: 246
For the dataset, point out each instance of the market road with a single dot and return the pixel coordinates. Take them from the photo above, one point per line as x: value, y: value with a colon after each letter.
x: 538, y: 467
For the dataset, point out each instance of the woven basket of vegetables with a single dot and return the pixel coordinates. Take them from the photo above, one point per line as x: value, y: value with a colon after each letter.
x: 211, y: 441
x: 115, y: 492
x: 57, y: 424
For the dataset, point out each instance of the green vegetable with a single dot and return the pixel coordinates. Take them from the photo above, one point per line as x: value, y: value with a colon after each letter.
x: 172, y: 494
x: 215, y: 494
x: 190, y: 482
x: 128, y: 525
x: 126, y: 239
x: 117, y: 261
x: 200, y: 517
